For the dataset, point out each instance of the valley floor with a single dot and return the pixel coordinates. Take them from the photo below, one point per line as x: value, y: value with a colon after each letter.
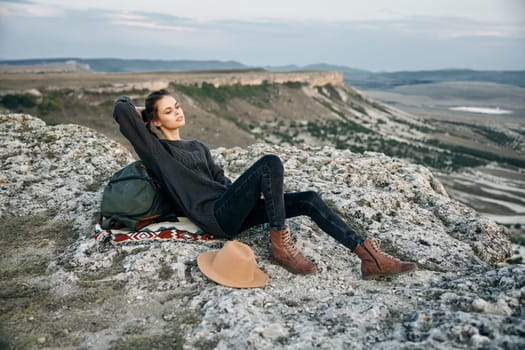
x: 497, y: 191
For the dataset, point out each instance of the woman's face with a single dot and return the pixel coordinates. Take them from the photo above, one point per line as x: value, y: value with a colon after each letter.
x: 169, y: 114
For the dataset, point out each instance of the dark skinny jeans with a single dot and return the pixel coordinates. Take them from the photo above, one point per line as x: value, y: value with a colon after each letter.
x: 241, y: 207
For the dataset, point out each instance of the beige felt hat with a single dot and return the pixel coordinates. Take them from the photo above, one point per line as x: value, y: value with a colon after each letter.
x: 233, y: 265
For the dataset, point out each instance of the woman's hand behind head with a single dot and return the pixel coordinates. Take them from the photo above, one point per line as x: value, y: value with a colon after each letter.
x: 141, y: 111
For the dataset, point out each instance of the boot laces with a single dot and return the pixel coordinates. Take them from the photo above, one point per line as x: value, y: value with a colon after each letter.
x: 290, y: 247
x: 375, y: 245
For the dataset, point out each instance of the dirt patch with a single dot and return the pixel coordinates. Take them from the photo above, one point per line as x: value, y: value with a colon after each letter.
x: 48, y: 300
x: 27, y: 247
x: 32, y: 313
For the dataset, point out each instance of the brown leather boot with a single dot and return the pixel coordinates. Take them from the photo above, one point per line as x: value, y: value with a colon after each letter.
x: 375, y: 263
x: 285, y: 253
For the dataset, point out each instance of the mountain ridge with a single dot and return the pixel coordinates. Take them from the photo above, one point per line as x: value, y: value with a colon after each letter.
x: 357, y: 77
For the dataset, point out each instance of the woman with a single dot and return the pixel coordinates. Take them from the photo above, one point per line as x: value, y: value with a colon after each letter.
x: 201, y: 190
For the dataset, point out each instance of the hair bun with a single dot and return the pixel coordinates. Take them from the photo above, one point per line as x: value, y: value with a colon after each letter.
x: 148, y: 114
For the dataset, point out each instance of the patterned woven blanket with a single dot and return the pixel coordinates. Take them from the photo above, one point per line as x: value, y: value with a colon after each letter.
x: 181, y: 231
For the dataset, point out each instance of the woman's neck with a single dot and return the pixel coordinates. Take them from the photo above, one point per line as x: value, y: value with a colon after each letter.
x: 172, y: 135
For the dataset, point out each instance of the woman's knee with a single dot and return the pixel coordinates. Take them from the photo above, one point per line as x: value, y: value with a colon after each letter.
x: 302, y: 203
x: 311, y: 197
x: 273, y: 162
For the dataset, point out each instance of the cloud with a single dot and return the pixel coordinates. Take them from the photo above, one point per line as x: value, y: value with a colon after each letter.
x: 388, y: 44
x: 152, y: 21
x: 153, y: 26
x: 488, y: 31
x: 126, y: 16
x: 440, y: 28
x: 26, y: 8
x: 19, y: 1
x: 481, y: 33
x: 455, y: 28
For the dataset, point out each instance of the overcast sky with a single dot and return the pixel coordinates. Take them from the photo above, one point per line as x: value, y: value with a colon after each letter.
x: 378, y: 35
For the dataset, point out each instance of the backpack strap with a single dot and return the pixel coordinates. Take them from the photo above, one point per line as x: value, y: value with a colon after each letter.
x: 105, y: 222
x: 116, y: 221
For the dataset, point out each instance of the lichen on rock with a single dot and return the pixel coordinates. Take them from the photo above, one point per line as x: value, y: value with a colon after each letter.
x: 59, y: 170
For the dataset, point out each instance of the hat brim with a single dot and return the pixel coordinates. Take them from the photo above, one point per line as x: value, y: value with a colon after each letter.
x: 204, y: 261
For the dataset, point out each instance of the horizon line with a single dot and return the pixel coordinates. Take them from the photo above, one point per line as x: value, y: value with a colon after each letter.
x: 3, y: 60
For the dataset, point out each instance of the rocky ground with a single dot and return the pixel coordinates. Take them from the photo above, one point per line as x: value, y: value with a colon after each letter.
x: 58, y: 290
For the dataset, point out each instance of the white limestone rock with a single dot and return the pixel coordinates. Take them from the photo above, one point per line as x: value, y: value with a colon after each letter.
x: 54, y: 170
x: 456, y: 299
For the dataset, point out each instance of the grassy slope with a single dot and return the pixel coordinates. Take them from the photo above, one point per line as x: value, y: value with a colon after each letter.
x: 241, y: 115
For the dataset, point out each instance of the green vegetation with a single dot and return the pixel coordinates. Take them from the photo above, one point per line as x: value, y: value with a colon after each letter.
x: 332, y: 92
x: 483, y: 155
x: 333, y: 129
x: 423, y: 155
x: 412, y: 125
x: 357, y: 138
x: 330, y: 107
x: 294, y: 84
x: 358, y: 108
x: 223, y: 93
x: 229, y: 116
x: 287, y: 137
x: 49, y: 104
x: 494, y: 135
x: 358, y: 97
x: 378, y: 106
x: 15, y: 102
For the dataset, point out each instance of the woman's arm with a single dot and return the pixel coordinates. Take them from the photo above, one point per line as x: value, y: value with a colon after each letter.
x: 139, y: 110
x: 216, y: 171
x: 147, y: 146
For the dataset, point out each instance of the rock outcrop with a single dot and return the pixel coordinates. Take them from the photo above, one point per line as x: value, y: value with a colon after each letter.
x: 155, y: 294
x: 218, y: 78
x: 54, y: 170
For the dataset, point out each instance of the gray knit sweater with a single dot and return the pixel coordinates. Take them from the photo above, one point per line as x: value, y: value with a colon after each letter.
x: 185, y: 168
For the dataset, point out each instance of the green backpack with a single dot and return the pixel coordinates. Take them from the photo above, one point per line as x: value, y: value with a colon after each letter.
x: 133, y: 199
